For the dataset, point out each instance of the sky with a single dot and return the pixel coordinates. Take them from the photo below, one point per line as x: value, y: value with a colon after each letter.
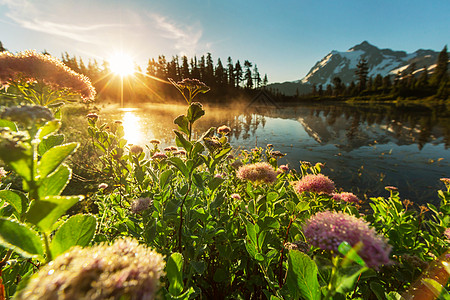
x: 283, y: 38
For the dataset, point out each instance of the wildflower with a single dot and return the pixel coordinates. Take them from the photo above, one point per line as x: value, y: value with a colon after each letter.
x: 140, y: 205
x: 30, y: 66
x: 319, y: 183
x: 155, y: 141
x: 446, y: 181
x: 218, y: 176
x: 212, y: 143
x: 92, y: 116
x: 136, y: 149
x: 2, y: 173
x: 327, y: 230
x: 224, y: 130
x: 173, y: 148
x: 118, y: 122
x: 391, y: 188
x: 102, y: 186
x: 191, y: 86
x: 168, y: 149
x: 159, y: 155
x: 306, y: 164
x: 28, y: 114
x: 346, y: 197
x: 235, y: 196
x: 180, y: 152
x: 230, y: 156
x: 284, y: 168
x: 258, y: 172
x: 269, y: 145
x: 447, y: 233
x: 124, y: 270
x: 414, y: 261
x: 277, y: 154
x: 298, y: 245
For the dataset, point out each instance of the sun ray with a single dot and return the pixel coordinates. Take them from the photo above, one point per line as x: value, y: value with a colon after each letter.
x: 121, y: 64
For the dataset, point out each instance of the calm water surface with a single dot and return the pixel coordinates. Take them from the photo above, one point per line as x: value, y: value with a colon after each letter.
x: 364, y: 149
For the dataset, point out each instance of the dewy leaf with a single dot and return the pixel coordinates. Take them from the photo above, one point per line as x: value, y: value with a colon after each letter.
x: 20, y: 238
x: 183, y: 123
x: 54, y: 184
x: 175, y: 274
x: 8, y: 124
x: 78, y: 230
x: 178, y: 162
x: 46, y: 212
x: 195, y: 112
x: 50, y: 142
x: 54, y: 157
x: 301, y: 277
x: 181, y: 141
x: 48, y: 128
x: 17, y: 199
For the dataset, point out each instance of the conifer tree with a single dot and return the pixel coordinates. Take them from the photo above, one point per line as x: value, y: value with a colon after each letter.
x: 2, y: 48
x: 248, y: 75
x: 440, y: 73
x: 362, y: 71
x: 231, y: 75
x: 238, y: 73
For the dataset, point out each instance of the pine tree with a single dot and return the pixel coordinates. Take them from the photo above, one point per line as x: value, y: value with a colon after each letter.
x: 265, y: 80
x: 238, y: 73
x: 248, y: 75
x: 337, y: 82
x: 185, y: 67
x: 2, y: 48
x: 440, y: 73
x: 231, y: 75
x: 362, y: 72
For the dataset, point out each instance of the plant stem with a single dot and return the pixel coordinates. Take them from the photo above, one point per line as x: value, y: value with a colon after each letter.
x: 280, y: 272
x: 181, y: 217
x: 47, y: 249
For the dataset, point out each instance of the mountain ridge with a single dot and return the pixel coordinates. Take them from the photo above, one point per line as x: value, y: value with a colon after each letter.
x: 342, y: 64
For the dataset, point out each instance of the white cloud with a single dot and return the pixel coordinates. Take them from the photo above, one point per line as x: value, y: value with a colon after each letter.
x: 186, y: 37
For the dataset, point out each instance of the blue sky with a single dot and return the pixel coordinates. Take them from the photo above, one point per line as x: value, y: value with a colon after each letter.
x: 284, y: 38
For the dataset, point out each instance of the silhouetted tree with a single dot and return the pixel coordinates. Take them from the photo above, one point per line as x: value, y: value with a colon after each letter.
x: 2, y: 48
x: 362, y: 71
x: 248, y: 75
x: 238, y: 73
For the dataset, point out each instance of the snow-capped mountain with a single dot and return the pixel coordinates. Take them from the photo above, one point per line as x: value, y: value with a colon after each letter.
x: 343, y: 65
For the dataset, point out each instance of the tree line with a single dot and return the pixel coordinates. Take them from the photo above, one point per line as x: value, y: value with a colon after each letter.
x: 412, y: 82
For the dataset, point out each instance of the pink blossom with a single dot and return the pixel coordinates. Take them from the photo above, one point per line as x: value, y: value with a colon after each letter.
x: 447, y: 233
x: 102, y: 186
x: 136, y: 149
x: 319, y: 183
x: 159, y: 155
x: 155, y: 141
x: 258, y: 172
x: 346, y: 197
x: 327, y: 230
x: 235, y: 196
x: 140, y: 204
x: 284, y: 168
x: 30, y: 66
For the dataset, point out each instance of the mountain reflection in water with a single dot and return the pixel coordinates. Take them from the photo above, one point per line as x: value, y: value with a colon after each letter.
x: 364, y: 148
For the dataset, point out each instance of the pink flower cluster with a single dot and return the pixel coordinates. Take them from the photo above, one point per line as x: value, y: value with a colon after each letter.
x: 327, y: 230
x: 319, y: 183
x: 258, y: 172
x: 224, y: 130
x: 346, y: 197
x: 32, y: 66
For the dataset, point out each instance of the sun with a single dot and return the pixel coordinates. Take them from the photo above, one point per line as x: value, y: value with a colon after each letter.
x: 121, y: 64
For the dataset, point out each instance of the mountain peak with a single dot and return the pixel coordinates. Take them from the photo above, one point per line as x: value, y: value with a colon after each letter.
x: 365, y: 46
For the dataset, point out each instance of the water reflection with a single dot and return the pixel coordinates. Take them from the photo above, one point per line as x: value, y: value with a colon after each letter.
x: 132, y: 127
x: 364, y: 148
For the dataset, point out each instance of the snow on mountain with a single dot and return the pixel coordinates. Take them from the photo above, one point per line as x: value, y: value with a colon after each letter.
x: 343, y: 65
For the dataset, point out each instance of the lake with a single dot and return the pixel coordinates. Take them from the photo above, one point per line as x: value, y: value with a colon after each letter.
x: 364, y: 148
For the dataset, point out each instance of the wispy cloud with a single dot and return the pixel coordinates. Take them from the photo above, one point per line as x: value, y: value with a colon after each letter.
x: 28, y: 15
x: 186, y: 37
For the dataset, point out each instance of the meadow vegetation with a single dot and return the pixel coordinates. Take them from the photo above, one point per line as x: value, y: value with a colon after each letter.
x: 194, y: 220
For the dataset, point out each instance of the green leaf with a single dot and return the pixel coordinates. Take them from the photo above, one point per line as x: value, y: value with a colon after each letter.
x: 8, y: 124
x: 182, y: 142
x: 165, y: 177
x: 198, y: 266
x: 48, y: 128
x: 174, y: 272
x: 17, y: 199
x: 179, y: 164
x: 198, y: 148
x: 54, y: 184
x: 195, y: 112
x: 378, y: 290
x: 301, y: 277
x: 252, y: 232
x: 20, y: 238
x: 54, y: 157
x: 78, y: 230
x: 50, y: 142
x: 436, y: 288
x: 214, y: 183
x: 220, y: 275
x: 46, y: 212
x: 183, y: 123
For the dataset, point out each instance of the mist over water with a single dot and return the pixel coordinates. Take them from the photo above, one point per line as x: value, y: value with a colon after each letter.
x: 364, y: 149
